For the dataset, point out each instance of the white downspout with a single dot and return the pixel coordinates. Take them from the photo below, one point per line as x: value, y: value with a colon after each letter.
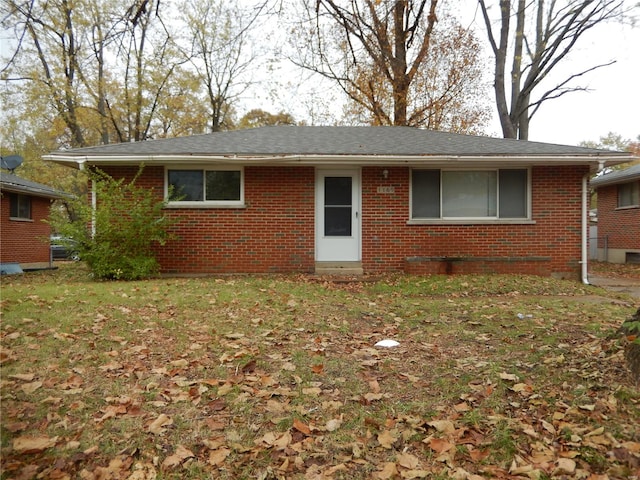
x: 585, y: 225
x: 585, y: 230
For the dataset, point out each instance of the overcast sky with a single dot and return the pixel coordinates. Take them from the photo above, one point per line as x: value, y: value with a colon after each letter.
x: 612, y: 105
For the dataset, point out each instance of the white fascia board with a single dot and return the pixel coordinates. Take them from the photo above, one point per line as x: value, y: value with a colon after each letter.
x: 343, y: 160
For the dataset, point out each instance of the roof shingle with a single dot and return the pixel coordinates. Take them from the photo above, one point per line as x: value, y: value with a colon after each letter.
x: 323, y: 140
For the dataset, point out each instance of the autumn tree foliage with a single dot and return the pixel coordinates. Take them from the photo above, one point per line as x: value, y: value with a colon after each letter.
x: 260, y: 118
x: 398, y: 62
x: 535, y: 37
x: 219, y: 48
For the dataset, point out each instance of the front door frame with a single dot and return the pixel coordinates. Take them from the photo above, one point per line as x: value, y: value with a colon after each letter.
x: 339, y: 249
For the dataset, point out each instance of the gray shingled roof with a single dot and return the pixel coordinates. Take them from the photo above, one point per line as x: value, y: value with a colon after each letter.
x: 617, y: 176
x: 13, y: 183
x: 316, y: 140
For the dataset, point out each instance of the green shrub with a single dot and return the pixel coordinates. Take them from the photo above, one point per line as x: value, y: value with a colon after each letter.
x: 117, y: 237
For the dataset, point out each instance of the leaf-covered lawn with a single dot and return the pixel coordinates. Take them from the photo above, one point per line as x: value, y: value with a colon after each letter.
x: 279, y: 377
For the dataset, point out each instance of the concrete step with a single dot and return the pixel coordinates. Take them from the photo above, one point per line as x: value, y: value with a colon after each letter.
x: 339, y: 268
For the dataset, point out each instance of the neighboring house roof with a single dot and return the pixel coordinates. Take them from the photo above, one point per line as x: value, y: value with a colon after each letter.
x: 316, y: 144
x: 12, y: 183
x: 617, y: 176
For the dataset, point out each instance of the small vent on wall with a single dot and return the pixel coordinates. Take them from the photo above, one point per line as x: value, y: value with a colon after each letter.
x: 632, y: 257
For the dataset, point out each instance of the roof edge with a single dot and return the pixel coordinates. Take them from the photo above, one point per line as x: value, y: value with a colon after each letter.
x: 78, y: 161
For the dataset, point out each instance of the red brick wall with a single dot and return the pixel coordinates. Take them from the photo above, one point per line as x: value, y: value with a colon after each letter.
x: 551, y: 245
x: 275, y: 232
x: 25, y: 241
x: 621, y: 226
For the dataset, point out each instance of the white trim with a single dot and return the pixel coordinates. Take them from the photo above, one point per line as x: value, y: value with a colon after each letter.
x: 204, y: 203
x: 473, y: 220
x: 354, y: 253
x: 344, y: 160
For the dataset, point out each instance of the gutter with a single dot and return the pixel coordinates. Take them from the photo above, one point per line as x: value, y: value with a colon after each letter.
x: 335, y: 160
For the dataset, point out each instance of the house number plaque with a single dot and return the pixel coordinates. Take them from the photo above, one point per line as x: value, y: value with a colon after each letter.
x: 390, y: 189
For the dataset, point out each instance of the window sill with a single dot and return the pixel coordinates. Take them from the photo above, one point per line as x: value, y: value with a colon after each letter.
x: 203, y: 206
x: 20, y: 219
x: 627, y: 207
x: 439, y: 221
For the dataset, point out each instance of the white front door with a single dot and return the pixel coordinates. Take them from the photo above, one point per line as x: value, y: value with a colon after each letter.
x: 338, y: 215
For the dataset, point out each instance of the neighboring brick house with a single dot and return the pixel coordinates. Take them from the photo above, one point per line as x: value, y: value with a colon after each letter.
x: 619, y: 215
x: 24, y: 235
x: 363, y: 199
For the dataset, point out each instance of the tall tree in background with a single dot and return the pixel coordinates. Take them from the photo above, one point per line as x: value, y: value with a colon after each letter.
x: 402, y: 62
x: 49, y: 57
x: 447, y: 93
x: 150, y: 60
x: 390, y: 39
x: 545, y: 32
x: 221, y: 52
x: 259, y: 118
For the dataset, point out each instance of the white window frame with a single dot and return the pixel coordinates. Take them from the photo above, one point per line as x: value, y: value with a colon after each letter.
x: 204, y: 203
x: 472, y: 220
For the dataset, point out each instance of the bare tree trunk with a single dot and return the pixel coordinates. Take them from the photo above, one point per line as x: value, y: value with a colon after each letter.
x: 558, y: 26
x: 500, y: 55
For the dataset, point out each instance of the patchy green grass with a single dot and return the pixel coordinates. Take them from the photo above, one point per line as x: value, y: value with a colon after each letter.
x: 278, y: 377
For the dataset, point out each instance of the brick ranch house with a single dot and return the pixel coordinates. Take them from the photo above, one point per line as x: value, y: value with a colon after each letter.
x: 619, y: 215
x: 362, y: 199
x: 24, y: 235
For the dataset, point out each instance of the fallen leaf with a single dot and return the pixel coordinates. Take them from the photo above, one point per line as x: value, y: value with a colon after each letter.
x: 411, y: 474
x: 389, y: 470
x: 589, y: 408
x: 370, y: 397
x: 440, y: 445
x: 509, y: 376
x: 25, y: 377
x: 224, y: 389
x: 30, y: 387
x: 407, y: 460
x: 387, y: 438
x: 177, y: 458
x: 318, y: 368
x: 143, y: 471
x: 301, y: 427
x: 218, y: 456
x: 313, y: 391
x: 181, y: 363
x: 522, y: 388
x: 273, y: 439
x: 443, y: 426
x: 33, y: 444
x: 333, y: 424
x: 156, y: 427
x: 566, y: 466
x: 479, y: 455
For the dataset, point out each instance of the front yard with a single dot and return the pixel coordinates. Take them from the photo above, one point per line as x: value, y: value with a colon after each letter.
x: 279, y: 377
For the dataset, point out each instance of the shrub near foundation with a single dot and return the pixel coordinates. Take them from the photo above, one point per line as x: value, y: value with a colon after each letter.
x: 116, y: 238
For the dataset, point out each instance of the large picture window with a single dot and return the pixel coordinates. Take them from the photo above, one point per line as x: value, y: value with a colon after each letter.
x: 470, y: 194
x: 629, y: 195
x: 20, y: 206
x: 217, y: 187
